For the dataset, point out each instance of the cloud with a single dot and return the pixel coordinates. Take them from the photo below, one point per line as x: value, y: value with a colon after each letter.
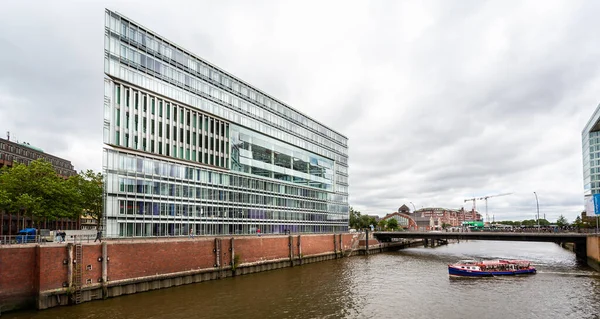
x: 441, y: 101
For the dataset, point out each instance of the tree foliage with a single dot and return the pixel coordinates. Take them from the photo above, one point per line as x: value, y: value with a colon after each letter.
x: 36, y: 191
x: 382, y: 224
x: 359, y: 221
x: 562, y: 221
x: 354, y: 218
x: 578, y: 222
x: 90, y: 193
x: 392, y: 223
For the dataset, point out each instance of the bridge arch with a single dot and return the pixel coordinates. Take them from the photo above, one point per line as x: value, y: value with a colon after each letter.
x: 404, y: 220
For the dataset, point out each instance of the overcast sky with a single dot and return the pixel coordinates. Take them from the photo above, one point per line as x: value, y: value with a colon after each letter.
x: 441, y: 100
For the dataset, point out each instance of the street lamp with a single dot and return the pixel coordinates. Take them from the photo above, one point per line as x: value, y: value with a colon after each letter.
x: 414, y: 208
x: 537, y: 203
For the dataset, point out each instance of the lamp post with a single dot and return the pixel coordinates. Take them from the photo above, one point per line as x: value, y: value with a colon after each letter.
x: 414, y: 208
x: 537, y: 203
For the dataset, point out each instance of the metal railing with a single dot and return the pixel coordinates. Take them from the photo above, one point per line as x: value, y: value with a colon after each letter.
x: 42, y: 240
x: 24, y: 239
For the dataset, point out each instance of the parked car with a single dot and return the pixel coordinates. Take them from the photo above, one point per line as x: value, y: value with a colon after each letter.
x: 26, y: 235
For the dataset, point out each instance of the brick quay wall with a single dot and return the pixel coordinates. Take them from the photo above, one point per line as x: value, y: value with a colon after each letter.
x: 49, y: 275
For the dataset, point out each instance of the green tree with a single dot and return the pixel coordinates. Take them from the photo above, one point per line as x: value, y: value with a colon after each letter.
x: 373, y: 222
x: 529, y: 222
x: 382, y: 224
x: 5, y: 201
x: 38, y: 192
x: 578, y: 222
x: 354, y: 218
x: 89, y: 193
x: 444, y: 225
x: 364, y: 221
x: 562, y: 221
x: 392, y: 224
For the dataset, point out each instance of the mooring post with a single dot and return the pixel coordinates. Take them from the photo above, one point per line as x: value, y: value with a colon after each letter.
x: 367, y: 242
x: 335, y: 247
x: 233, y: 265
x: 217, y: 251
x: 300, y: 249
x: 104, y: 270
x: 291, y: 247
x: 70, y: 264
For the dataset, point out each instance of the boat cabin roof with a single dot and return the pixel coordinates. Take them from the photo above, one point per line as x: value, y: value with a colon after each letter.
x: 494, y: 262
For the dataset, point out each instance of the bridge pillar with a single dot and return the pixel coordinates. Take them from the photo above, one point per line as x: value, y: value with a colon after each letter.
x: 425, y: 242
x: 592, y: 251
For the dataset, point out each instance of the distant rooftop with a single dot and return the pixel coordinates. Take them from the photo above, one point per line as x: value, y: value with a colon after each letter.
x: 436, y: 208
x: 31, y: 146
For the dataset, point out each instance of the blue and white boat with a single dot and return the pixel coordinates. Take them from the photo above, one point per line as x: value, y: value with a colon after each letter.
x: 490, y: 268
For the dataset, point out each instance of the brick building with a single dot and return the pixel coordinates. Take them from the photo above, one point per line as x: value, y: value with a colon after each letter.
x: 12, y: 152
x: 431, y: 217
x: 453, y: 217
x: 20, y: 152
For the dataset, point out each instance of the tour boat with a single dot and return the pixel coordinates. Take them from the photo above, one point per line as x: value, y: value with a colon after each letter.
x: 489, y: 268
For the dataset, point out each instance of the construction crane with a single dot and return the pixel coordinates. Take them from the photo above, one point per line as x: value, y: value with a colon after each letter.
x: 472, y: 200
x: 487, y: 217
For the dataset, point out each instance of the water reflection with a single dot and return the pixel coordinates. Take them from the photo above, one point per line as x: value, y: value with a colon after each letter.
x: 412, y: 283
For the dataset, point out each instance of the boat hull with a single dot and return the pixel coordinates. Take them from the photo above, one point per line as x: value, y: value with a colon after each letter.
x: 478, y: 273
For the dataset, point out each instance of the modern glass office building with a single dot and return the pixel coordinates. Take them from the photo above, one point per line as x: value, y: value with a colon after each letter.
x: 189, y: 148
x: 590, y: 141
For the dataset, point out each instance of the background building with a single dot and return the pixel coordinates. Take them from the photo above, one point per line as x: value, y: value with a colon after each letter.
x: 191, y: 148
x: 375, y: 217
x: 452, y: 217
x: 12, y: 152
x: 21, y: 152
x: 590, y: 142
x: 432, y: 217
x: 404, y: 220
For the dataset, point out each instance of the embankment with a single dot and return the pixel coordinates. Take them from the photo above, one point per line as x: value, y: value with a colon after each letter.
x: 44, y: 276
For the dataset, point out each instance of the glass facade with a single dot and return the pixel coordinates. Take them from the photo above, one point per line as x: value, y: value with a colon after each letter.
x: 590, y: 141
x: 189, y: 148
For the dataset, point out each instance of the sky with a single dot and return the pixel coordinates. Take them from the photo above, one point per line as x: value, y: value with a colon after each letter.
x: 441, y: 100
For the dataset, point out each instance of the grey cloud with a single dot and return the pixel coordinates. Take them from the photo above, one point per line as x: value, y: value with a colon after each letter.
x: 441, y: 101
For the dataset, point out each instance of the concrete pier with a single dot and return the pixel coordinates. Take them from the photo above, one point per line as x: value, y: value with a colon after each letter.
x: 593, y: 252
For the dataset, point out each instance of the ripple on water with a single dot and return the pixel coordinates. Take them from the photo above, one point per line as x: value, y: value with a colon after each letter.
x: 411, y: 283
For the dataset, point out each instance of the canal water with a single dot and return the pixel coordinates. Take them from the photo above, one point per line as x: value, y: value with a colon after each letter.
x: 411, y: 283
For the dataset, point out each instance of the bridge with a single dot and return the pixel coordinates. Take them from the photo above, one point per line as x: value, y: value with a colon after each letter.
x: 507, y: 236
x: 577, y: 238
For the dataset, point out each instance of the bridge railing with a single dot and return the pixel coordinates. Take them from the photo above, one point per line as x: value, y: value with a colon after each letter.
x: 515, y: 230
